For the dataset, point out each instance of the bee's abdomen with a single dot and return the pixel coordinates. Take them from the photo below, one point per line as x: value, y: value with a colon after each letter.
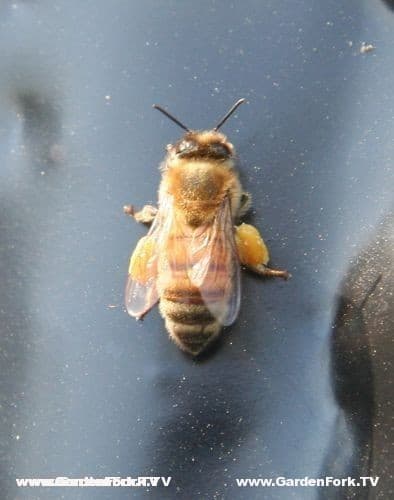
x: 190, y: 325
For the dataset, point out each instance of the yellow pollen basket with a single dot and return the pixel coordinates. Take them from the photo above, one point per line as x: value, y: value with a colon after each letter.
x: 251, y: 247
x: 140, y: 259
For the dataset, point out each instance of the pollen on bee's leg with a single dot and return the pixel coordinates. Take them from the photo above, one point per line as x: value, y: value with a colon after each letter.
x: 251, y: 247
x: 253, y: 252
x: 140, y: 257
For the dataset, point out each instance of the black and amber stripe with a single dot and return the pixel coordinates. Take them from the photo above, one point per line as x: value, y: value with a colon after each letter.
x: 188, y: 320
x: 193, y: 338
x: 185, y: 306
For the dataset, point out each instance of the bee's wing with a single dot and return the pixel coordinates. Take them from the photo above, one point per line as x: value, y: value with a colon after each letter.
x: 141, y: 290
x: 214, y: 266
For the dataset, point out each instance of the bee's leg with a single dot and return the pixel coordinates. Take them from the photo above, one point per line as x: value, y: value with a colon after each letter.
x: 246, y: 203
x: 264, y: 270
x: 145, y: 215
x: 253, y: 252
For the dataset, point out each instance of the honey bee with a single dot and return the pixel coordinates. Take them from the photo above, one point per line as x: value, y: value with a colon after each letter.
x: 190, y: 259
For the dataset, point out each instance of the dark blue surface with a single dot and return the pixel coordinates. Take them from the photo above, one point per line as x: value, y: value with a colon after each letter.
x: 86, y: 390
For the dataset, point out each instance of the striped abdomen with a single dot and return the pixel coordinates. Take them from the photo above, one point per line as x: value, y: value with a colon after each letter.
x: 183, y: 305
x: 188, y: 321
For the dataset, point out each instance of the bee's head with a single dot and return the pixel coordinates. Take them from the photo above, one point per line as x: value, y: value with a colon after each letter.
x: 202, y: 144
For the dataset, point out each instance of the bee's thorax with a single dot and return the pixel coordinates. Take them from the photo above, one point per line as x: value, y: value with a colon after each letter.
x: 198, y: 187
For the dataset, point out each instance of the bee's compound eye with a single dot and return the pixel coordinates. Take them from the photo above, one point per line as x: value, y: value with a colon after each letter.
x: 220, y: 149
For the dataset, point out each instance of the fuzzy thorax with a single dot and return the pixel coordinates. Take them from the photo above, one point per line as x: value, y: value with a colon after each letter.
x: 198, y: 187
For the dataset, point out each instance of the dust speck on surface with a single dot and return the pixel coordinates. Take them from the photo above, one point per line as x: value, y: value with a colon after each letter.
x: 366, y: 47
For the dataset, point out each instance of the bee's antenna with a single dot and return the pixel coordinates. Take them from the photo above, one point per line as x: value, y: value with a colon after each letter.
x: 229, y: 113
x: 156, y: 106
